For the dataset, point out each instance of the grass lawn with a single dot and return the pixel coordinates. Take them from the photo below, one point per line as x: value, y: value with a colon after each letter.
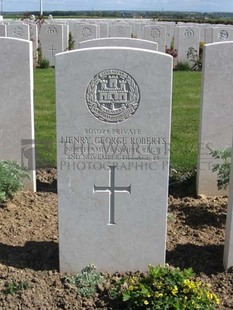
x: 185, y: 119
x: 45, y: 117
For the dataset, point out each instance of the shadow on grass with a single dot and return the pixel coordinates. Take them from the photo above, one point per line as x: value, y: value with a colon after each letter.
x: 207, y: 259
x: 34, y: 255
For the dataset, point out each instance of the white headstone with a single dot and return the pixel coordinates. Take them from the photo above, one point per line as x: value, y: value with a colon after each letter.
x: 120, y: 30
x: 52, y: 41
x: 221, y: 34
x: 138, y: 30
x: 34, y: 39
x: 121, y: 42
x: 73, y: 24
x: 83, y: 32
x: 157, y: 34
x: 104, y: 30
x: 202, y: 31
x: 228, y: 248
x: 186, y: 37
x: 17, y: 116
x: 113, y: 127
x: 169, y: 33
x: 3, y: 31
x: 20, y: 31
x: 208, y: 37
x: 65, y: 37
x: 216, y: 112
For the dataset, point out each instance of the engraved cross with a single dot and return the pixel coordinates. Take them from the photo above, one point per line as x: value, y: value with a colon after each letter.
x: 52, y: 50
x: 112, y: 189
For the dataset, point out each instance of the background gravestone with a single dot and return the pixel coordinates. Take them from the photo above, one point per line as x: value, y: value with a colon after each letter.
x: 17, y: 116
x: 120, y: 30
x: 208, y: 34
x: 185, y: 38
x: 121, y: 42
x: 34, y: 38
x: 157, y: 34
x: 138, y: 30
x: 52, y: 41
x: 221, y: 34
x: 20, y: 31
x: 202, y: 28
x: 104, y: 29
x: 113, y: 131
x: 3, y: 31
x: 170, y: 27
x: 83, y: 32
x: 65, y: 37
x: 216, y: 121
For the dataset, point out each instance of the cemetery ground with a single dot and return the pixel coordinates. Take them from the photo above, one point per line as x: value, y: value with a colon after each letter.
x: 29, y: 265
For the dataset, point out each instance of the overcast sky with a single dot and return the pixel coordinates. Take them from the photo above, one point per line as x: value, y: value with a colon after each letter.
x: 155, y: 5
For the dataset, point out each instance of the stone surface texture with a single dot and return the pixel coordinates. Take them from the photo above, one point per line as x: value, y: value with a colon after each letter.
x: 17, y: 112
x: 216, y: 113
x: 132, y: 234
x: 120, y: 42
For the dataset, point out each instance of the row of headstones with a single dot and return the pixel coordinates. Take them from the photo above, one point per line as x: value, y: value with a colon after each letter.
x: 181, y: 36
x: 135, y: 28
x: 54, y: 38
x: 113, y: 129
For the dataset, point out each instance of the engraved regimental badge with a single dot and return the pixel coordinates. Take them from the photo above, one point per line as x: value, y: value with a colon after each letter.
x: 112, y: 96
